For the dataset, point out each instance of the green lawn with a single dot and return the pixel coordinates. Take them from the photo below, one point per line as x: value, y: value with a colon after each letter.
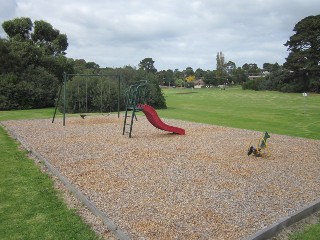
x: 282, y: 113
x: 311, y: 232
x: 30, y: 208
x: 26, y: 114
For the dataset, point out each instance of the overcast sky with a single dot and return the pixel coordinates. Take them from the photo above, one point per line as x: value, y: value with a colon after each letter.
x: 174, y: 33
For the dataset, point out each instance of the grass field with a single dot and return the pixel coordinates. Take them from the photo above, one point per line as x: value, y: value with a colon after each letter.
x: 282, y: 113
x: 30, y: 208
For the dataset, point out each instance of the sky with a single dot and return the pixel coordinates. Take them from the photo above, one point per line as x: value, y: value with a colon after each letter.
x: 176, y: 34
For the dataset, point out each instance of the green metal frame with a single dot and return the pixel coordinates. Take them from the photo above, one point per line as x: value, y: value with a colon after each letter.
x: 64, y: 85
x: 135, y: 95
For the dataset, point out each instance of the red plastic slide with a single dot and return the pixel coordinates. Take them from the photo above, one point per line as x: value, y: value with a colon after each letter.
x: 154, y: 119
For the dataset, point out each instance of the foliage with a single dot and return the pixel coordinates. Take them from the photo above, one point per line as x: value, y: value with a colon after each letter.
x: 221, y: 65
x: 210, y: 78
x: 251, y: 69
x: 100, y: 93
x: 130, y: 75
x: 190, y: 78
x: 32, y: 64
x: 18, y: 28
x: 179, y: 82
x: 188, y: 72
x: 91, y: 94
x: 166, y: 77
x: 304, y: 54
x: 147, y: 65
x: 199, y: 73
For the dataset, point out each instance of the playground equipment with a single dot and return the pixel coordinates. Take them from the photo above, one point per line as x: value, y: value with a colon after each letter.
x: 135, y: 101
x: 79, y: 103
x: 154, y: 119
x: 135, y: 95
x: 261, y: 149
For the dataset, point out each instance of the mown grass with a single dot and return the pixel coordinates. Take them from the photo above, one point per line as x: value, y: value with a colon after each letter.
x: 282, y: 113
x: 30, y: 206
x: 27, y: 114
x: 311, y: 232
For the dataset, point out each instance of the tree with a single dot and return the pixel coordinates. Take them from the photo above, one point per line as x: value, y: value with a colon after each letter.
x: 147, y: 65
x: 190, y: 78
x: 221, y: 71
x: 18, y: 28
x: 33, y: 64
x: 239, y: 76
x: 188, y: 72
x: 210, y: 78
x: 177, y: 74
x: 251, y: 69
x: 44, y: 35
x: 199, y: 73
x: 304, y: 53
x: 7, y: 59
x: 230, y: 68
x: 165, y: 77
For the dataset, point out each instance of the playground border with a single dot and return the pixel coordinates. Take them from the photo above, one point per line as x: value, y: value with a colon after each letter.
x: 121, y: 235
x: 285, y: 222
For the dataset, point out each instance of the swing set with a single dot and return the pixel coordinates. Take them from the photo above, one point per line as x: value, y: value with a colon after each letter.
x: 82, y: 97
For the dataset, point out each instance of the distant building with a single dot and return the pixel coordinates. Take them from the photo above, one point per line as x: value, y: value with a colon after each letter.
x: 264, y: 74
x: 256, y: 77
x: 199, y: 83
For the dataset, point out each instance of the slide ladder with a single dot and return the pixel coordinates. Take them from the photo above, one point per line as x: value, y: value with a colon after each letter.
x: 135, y: 95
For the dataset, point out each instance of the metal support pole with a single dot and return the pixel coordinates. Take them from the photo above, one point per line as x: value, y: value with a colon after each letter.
x: 118, y: 96
x: 57, y: 102
x: 64, y: 97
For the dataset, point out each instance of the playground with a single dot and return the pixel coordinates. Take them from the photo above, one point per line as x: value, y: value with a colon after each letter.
x: 159, y: 185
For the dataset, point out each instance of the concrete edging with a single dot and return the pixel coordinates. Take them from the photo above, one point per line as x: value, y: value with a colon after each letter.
x: 275, y: 228
x: 121, y: 235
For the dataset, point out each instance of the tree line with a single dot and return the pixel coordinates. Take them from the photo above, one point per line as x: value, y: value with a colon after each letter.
x: 32, y: 62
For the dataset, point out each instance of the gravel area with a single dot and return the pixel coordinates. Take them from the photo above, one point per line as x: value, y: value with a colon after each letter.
x: 158, y: 185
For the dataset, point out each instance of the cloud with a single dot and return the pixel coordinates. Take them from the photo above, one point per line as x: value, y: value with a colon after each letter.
x: 175, y: 33
x: 7, y: 10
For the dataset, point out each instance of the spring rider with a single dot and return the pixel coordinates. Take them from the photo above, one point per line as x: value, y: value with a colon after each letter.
x: 260, y: 150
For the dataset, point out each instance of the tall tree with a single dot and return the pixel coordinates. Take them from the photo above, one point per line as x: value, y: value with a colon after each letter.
x: 221, y: 72
x: 251, y: 69
x: 18, y: 27
x: 34, y: 63
x: 147, y: 64
x: 230, y: 68
x: 220, y: 62
x: 199, y: 73
x: 49, y: 38
x: 210, y: 78
x: 304, y: 53
x: 188, y: 71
